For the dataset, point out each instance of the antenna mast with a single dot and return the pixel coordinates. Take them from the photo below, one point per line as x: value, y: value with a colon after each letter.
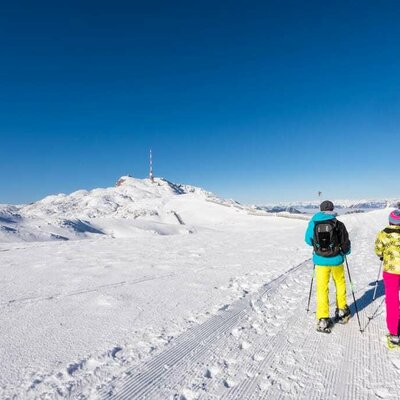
x: 151, y: 166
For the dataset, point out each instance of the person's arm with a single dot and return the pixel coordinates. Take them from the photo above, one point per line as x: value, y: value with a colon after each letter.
x: 379, y: 245
x: 345, y: 243
x: 310, y: 233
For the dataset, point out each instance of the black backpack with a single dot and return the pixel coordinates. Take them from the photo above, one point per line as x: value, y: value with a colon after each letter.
x: 326, y: 238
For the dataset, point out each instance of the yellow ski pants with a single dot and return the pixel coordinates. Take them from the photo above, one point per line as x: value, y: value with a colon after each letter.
x: 323, y: 274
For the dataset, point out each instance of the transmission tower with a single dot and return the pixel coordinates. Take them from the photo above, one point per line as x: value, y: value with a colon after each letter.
x: 151, y: 175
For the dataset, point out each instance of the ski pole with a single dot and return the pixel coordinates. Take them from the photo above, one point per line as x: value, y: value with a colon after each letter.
x: 377, y: 279
x: 352, y: 291
x: 309, y: 295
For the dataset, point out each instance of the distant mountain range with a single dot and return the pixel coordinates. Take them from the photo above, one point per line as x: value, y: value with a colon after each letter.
x: 339, y: 205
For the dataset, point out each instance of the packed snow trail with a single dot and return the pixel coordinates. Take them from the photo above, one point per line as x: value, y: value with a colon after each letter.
x: 192, y: 346
x: 265, y: 346
x: 261, y: 348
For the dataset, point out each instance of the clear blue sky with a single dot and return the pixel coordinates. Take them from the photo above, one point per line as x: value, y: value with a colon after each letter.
x: 257, y: 101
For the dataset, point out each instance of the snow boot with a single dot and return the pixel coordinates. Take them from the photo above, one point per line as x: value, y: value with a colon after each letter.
x: 342, y: 315
x: 324, y: 325
x: 393, y: 341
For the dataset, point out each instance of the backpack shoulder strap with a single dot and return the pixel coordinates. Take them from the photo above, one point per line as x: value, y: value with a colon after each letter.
x: 391, y: 230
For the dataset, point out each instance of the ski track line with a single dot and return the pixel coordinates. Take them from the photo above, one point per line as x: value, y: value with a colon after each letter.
x: 225, y: 345
x: 207, y: 354
x: 37, y: 245
x: 211, y: 332
x: 229, y: 343
x: 242, y: 363
x: 82, y: 291
x: 202, y: 349
x: 18, y: 248
x: 182, y: 341
x: 197, y: 350
x: 37, y: 299
x: 143, y: 382
x: 204, y: 352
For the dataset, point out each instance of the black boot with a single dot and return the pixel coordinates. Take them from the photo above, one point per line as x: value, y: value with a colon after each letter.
x: 324, y: 325
x: 393, y: 341
x: 342, y: 315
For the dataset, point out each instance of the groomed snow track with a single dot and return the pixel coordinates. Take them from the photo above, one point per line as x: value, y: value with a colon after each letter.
x: 192, y: 347
x: 264, y: 346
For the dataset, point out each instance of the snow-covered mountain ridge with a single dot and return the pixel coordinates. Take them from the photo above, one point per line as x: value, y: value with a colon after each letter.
x: 136, y: 205
x: 132, y: 205
x: 132, y: 199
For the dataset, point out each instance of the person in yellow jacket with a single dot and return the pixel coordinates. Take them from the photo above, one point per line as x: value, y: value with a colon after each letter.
x: 387, y: 248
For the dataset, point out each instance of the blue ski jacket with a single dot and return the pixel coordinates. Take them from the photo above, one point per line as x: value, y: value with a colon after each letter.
x: 345, y: 242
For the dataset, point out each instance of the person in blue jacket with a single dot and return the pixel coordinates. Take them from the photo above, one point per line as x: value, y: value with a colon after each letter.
x: 330, y: 240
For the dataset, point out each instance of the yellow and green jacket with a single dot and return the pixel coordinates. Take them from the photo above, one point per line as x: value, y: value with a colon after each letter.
x: 387, y: 245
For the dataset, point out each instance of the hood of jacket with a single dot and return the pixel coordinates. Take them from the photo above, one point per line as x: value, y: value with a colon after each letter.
x: 324, y: 216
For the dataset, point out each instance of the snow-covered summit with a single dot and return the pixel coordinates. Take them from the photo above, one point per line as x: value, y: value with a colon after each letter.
x: 131, y: 198
x: 131, y: 205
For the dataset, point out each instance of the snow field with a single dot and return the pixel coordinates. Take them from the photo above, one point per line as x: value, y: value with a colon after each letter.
x: 78, y: 313
x: 273, y: 350
x: 149, y: 310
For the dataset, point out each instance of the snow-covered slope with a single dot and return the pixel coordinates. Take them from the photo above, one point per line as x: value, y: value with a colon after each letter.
x: 158, y: 206
x: 216, y: 315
